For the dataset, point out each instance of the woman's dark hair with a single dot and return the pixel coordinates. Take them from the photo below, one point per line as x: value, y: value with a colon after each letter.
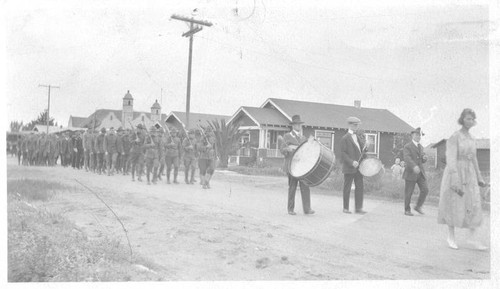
x: 466, y: 112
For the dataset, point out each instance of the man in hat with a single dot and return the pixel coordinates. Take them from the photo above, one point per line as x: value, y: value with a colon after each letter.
x: 86, y: 149
x: 119, y: 149
x: 189, y: 157
x: 352, y: 152
x: 111, y: 150
x: 173, y: 154
x: 136, y: 158
x: 291, y: 141
x: 414, y: 157
x: 152, y: 147
x: 100, y: 150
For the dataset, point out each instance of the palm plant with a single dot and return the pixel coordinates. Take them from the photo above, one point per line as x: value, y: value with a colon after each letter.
x: 227, y: 138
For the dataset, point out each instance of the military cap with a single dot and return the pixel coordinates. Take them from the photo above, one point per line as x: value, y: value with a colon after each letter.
x: 353, y: 119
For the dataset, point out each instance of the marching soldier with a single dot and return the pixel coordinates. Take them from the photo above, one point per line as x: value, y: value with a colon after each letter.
x: 87, y: 137
x: 119, y: 149
x: 206, y: 157
x: 100, y: 150
x: 67, y: 149
x: 152, y: 147
x: 126, y: 152
x: 173, y: 154
x: 53, y: 149
x: 111, y: 151
x: 162, y: 148
x: 136, y: 154
x: 189, y: 157
x: 93, y: 151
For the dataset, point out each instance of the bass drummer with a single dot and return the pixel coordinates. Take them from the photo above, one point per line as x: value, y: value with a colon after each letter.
x: 352, y: 151
x: 291, y: 141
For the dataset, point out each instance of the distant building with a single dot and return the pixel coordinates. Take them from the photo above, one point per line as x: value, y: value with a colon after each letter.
x: 124, y: 118
x: 482, y: 152
x: 324, y: 121
x: 178, y: 119
x: 76, y: 121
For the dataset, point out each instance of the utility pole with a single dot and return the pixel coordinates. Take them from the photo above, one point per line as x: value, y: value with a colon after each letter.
x: 48, y: 105
x: 192, y: 30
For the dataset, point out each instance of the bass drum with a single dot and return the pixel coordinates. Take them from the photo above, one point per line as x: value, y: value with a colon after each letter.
x: 312, y: 163
x: 370, y: 167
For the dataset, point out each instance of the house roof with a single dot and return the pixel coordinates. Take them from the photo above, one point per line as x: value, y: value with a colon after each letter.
x: 156, y: 105
x: 77, y: 121
x: 263, y: 116
x: 43, y: 128
x: 481, y: 143
x: 128, y: 95
x: 334, y: 116
x: 195, y: 118
x: 100, y: 114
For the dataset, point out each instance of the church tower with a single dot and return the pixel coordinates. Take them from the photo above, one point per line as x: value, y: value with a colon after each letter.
x: 127, y: 110
x: 156, y: 112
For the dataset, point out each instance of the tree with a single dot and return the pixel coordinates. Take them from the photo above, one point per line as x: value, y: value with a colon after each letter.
x: 41, y: 119
x: 227, y: 138
x: 15, y: 126
x: 399, y: 142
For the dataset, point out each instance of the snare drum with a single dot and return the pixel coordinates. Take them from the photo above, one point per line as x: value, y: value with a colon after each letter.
x: 312, y: 163
x: 370, y: 167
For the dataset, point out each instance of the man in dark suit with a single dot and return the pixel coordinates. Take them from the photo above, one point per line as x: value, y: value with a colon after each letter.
x: 352, y: 151
x: 414, y: 173
x: 291, y: 141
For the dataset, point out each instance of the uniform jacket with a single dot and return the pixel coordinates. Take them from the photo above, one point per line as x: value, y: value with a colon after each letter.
x: 188, y: 147
x: 110, y: 143
x: 136, y: 142
x: 173, y: 147
x: 413, y: 157
x: 99, y: 143
x: 349, y: 152
x: 290, y: 138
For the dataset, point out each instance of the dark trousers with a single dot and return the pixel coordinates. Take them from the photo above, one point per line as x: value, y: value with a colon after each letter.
x: 410, y: 187
x: 304, y: 192
x: 358, y: 191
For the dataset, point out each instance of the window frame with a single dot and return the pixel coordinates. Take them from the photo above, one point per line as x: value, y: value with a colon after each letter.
x: 328, y: 131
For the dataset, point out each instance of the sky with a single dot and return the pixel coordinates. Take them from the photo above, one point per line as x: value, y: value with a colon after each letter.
x: 424, y: 62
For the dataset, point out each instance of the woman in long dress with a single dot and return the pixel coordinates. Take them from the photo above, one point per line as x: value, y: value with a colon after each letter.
x: 460, y: 199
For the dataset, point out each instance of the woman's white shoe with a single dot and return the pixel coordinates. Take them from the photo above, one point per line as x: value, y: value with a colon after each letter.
x: 452, y: 244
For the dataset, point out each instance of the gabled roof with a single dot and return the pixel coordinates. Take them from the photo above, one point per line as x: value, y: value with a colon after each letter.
x: 43, y: 128
x: 195, y: 118
x: 263, y: 116
x: 334, y: 116
x: 77, y: 121
x: 100, y: 114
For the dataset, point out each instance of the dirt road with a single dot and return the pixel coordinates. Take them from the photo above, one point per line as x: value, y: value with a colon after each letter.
x: 240, y: 230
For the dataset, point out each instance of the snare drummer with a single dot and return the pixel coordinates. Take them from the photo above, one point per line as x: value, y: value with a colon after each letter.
x: 291, y: 141
x: 352, y: 150
x: 414, y: 173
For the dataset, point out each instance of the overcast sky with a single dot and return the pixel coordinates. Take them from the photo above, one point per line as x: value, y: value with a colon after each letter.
x: 424, y: 63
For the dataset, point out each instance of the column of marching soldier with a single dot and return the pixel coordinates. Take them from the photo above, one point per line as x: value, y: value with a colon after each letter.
x: 136, y: 152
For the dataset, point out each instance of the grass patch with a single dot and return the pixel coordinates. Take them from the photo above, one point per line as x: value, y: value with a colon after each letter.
x: 33, y: 190
x: 47, y: 247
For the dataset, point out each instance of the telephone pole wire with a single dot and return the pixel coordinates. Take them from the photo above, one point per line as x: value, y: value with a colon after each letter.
x: 194, y: 27
x: 48, y: 105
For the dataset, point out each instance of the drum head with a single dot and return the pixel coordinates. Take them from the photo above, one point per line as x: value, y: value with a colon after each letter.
x: 370, y: 167
x: 305, y: 158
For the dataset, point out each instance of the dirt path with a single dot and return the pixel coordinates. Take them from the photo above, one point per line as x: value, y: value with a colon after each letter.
x: 239, y: 230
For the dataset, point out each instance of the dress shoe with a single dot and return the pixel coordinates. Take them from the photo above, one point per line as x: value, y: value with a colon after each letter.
x: 346, y: 211
x: 310, y: 212
x: 419, y: 210
x: 408, y: 213
x: 292, y: 213
x: 360, y: 212
x: 452, y: 244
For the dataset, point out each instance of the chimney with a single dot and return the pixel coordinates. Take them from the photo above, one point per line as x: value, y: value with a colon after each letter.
x: 357, y: 103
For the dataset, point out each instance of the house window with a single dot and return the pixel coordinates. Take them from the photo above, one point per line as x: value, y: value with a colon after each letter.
x: 325, y: 137
x: 272, y: 138
x: 373, y: 143
x: 245, y: 139
x: 129, y: 102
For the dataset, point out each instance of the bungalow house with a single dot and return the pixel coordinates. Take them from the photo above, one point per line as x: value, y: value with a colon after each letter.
x: 482, y: 152
x: 178, y: 119
x: 325, y: 121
